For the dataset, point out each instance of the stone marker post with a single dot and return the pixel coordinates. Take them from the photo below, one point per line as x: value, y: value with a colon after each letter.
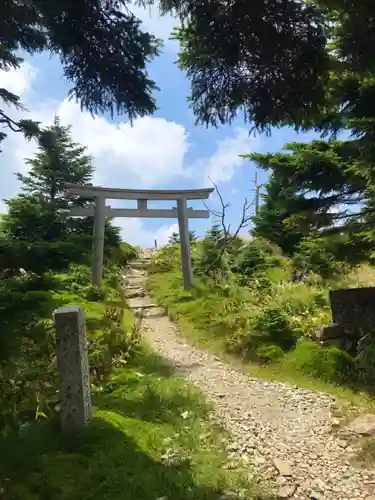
x: 73, y: 367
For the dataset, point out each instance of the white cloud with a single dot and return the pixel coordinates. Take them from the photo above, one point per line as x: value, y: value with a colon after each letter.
x: 3, y: 207
x: 151, y: 153
x: 160, y: 26
x: 18, y: 80
x: 222, y: 165
x: 134, y: 232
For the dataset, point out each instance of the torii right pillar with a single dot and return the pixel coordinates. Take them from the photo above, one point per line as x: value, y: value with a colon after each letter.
x: 183, y: 224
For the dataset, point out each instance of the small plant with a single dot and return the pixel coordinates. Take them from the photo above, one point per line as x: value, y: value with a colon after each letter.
x: 366, y: 363
x: 94, y: 293
x: 269, y: 353
x: 317, y: 257
x: 111, y: 345
x: 256, y: 257
x: 274, y: 325
x: 167, y: 259
x: 327, y: 363
x: 78, y: 276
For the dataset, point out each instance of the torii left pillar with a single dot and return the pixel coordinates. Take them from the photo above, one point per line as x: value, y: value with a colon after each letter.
x: 98, y: 243
x: 183, y: 225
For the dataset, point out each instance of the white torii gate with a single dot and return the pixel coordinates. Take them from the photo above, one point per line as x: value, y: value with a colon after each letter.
x: 100, y: 211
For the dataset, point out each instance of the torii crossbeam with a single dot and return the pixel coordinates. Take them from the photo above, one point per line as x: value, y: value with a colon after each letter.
x: 100, y: 211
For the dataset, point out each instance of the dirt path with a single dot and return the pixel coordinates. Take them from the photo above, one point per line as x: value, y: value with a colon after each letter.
x: 283, y: 431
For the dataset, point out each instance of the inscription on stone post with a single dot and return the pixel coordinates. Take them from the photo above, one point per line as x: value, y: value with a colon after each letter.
x: 73, y: 366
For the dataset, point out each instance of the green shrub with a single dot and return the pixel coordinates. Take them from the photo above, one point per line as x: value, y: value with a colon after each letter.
x: 250, y: 261
x: 274, y: 327
x: 255, y: 258
x: 111, y: 344
x: 212, y: 254
x: 113, y: 277
x: 306, y: 306
x: 94, y: 293
x: 327, y: 363
x: 268, y: 353
x: 366, y: 363
x: 27, y: 350
x: 79, y: 274
x: 167, y: 259
x: 20, y: 312
x: 316, y: 256
x: 127, y: 254
x: 28, y: 375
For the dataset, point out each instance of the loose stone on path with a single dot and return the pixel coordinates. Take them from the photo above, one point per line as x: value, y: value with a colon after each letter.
x: 363, y: 425
x: 284, y: 432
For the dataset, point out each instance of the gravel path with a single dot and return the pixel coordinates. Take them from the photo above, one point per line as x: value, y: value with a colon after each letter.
x: 283, y: 431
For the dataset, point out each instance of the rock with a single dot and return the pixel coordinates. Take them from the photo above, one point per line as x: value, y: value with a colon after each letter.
x: 316, y: 495
x: 336, y: 411
x: 330, y: 332
x: 336, y: 422
x: 286, y: 491
x: 283, y: 467
x: 363, y: 425
x: 134, y: 294
x: 342, y: 443
x: 227, y: 495
x: 281, y: 481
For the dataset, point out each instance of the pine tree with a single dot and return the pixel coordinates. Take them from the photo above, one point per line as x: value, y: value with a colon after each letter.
x: 59, y: 161
x: 37, y: 217
x: 210, y: 257
x: 315, y: 190
x: 175, y: 238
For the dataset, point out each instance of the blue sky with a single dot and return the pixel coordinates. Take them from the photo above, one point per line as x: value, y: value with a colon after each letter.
x: 165, y: 151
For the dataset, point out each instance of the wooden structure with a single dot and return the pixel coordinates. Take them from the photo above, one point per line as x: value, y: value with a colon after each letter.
x: 100, y: 211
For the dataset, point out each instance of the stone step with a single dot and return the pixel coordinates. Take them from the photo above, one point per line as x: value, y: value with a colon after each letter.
x: 134, y: 294
x: 140, y: 264
x: 143, y: 306
x: 135, y: 281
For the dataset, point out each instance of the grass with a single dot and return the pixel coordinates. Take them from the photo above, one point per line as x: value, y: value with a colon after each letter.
x: 207, y: 329
x: 151, y: 438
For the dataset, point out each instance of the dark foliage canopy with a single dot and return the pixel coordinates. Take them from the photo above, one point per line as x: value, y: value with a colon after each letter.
x: 267, y: 58
x: 280, y: 62
x: 102, y: 49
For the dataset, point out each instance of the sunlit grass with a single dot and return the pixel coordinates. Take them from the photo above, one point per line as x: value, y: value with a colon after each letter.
x: 200, y: 325
x: 150, y: 439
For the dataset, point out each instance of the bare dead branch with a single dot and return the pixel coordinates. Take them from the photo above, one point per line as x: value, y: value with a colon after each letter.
x: 228, y: 237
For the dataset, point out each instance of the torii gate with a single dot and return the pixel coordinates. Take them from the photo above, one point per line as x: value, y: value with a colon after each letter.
x: 100, y: 211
